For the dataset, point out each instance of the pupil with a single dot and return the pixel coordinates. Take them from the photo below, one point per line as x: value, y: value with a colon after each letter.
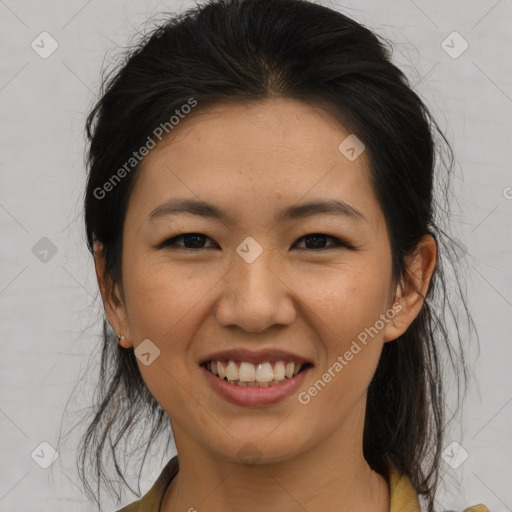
x: 196, y: 240
x: 318, y: 240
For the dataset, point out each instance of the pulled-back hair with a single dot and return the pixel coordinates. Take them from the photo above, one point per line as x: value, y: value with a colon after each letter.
x: 237, y: 51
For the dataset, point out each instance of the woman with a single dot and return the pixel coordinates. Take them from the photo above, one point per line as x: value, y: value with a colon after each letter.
x: 260, y: 206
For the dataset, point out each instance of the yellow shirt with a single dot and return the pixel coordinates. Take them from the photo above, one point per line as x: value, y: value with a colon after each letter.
x: 403, y: 497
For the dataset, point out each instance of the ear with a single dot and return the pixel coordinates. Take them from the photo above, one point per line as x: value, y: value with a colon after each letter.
x: 411, y: 291
x: 112, y: 298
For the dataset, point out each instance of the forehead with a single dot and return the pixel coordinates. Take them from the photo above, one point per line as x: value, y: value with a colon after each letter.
x: 250, y: 155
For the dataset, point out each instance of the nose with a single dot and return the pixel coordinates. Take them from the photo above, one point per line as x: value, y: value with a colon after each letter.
x: 255, y: 296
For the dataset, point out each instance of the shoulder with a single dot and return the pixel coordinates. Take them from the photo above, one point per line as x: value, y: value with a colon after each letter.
x: 151, y: 501
x: 403, y: 496
x: 474, y: 508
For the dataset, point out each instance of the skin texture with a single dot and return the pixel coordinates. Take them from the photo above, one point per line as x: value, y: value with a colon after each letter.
x: 253, y: 160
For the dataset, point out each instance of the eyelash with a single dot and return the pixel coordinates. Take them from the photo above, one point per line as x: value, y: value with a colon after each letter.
x: 171, y: 242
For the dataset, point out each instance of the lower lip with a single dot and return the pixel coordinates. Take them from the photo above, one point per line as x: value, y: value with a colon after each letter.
x: 248, y: 396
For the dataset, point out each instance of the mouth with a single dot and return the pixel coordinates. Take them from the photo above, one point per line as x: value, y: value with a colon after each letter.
x: 262, y: 374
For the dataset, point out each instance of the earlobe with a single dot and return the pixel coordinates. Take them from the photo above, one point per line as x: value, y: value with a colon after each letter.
x: 413, y: 288
x: 114, y: 308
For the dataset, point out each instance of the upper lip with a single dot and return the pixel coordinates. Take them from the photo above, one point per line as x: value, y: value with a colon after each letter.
x: 254, y: 356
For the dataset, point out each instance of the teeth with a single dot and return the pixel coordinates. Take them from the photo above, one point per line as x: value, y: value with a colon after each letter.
x: 264, y: 373
x: 221, y: 369
x: 279, y: 370
x: 247, y: 372
x: 260, y: 375
x: 232, y: 371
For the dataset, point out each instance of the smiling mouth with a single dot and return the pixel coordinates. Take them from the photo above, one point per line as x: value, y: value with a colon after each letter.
x: 262, y: 375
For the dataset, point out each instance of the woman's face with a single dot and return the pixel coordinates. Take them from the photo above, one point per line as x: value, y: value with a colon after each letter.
x: 254, y: 283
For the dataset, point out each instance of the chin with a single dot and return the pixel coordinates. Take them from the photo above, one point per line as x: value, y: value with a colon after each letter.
x: 257, y: 450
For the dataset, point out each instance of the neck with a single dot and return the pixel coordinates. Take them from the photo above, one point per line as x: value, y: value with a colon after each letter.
x: 332, y: 476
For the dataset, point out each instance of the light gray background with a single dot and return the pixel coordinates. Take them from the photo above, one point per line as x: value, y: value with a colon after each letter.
x: 49, y: 310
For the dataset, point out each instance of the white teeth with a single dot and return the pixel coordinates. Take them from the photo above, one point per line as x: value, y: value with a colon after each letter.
x: 260, y: 375
x: 264, y: 373
x: 221, y: 370
x: 279, y: 371
x: 232, y: 371
x: 247, y: 372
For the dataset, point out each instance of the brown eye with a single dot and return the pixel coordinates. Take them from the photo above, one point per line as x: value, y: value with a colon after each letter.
x: 190, y: 241
x: 195, y: 241
x: 319, y: 241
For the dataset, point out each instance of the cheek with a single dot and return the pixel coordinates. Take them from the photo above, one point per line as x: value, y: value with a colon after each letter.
x: 345, y: 311
x: 345, y: 305
x: 169, y: 301
x: 161, y: 299
x: 164, y: 305
x: 344, y: 299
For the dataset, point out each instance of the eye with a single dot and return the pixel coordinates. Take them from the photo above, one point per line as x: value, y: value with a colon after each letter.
x: 196, y: 241
x: 318, y: 241
x: 191, y: 241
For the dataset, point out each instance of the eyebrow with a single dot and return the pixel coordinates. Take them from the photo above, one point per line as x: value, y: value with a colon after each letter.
x: 204, y: 209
